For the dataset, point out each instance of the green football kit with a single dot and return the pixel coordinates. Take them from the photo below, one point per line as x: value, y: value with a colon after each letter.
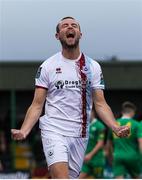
x: 126, y: 152
x: 95, y: 166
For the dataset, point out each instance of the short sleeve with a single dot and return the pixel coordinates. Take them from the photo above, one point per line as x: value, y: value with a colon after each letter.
x: 41, y: 79
x: 97, y: 79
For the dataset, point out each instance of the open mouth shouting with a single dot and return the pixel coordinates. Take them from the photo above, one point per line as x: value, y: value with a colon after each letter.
x: 70, y: 35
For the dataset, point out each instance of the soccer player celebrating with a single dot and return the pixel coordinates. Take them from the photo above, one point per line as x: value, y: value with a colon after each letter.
x: 67, y: 83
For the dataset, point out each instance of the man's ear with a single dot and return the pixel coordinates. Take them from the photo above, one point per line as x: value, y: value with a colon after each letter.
x: 80, y: 35
x: 57, y: 36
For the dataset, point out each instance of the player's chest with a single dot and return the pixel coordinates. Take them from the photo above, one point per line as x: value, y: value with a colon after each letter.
x: 69, y: 75
x: 64, y: 72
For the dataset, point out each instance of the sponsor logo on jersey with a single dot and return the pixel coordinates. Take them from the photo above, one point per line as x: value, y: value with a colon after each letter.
x: 59, y: 84
x: 71, y: 84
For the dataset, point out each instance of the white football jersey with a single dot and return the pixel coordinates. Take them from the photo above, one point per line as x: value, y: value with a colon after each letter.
x: 69, y: 97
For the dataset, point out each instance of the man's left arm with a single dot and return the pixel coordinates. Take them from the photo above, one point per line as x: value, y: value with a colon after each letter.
x: 105, y: 113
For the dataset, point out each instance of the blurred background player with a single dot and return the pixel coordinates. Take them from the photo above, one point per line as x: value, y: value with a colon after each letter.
x: 127, y: 151
x: 94, y: 160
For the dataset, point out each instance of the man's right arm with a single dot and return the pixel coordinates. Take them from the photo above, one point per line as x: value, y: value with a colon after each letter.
x: 32, y: 115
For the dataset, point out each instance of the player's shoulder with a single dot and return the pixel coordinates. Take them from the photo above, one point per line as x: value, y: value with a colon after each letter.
x: 51, y: 60
x: 92, y: 61
x: 136, y: 124
x: 134, y: 121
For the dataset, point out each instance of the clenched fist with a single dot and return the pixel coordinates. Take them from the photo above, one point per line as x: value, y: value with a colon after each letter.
x: 17, y: 134
x: 121, y: 131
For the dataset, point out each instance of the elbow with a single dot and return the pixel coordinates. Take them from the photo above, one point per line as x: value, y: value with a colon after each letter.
x: 36, y: 108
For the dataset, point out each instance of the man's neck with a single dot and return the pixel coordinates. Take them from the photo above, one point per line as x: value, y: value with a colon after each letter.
x: 126, y: 116
x: 71, y: 53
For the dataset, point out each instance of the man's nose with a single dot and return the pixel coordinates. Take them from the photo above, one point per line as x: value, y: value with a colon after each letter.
x: 70, y: 26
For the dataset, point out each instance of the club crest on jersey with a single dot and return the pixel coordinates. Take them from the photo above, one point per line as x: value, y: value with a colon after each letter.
x: 58, y: 70
x: 84, y: 70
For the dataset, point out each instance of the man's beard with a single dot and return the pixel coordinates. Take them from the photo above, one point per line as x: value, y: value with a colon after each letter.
x: 69, y: 46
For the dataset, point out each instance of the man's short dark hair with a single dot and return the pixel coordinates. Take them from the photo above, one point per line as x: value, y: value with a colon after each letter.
x: 128, y: 107
x: 67, y: 17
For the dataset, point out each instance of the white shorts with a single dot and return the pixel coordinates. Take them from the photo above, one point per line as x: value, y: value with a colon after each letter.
x: 60, y: 148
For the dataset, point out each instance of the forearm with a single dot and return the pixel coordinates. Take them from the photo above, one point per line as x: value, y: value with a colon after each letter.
x: 98, y: 146
x: 105, y: 114
x: 32, y: 116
